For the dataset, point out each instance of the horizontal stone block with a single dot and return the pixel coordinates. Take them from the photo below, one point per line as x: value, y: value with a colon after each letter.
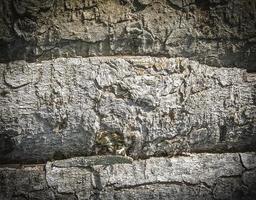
x: 195, y: 176
x: 136, y: 106
x: 218, y: 33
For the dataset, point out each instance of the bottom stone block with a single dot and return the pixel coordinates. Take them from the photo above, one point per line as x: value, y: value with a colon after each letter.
x: 194, y: 176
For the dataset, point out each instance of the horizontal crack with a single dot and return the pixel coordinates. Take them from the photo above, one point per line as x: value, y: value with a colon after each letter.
x: 179, y: 183
x: 149, y: 54
x: 42, y: 165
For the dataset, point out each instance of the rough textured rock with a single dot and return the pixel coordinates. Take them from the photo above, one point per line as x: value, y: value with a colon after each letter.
x: 211, y: 31
x: 158, y: 95
x: 196, y: 176
x: 139, y: 106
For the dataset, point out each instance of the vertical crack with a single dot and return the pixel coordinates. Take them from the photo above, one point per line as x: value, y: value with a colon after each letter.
x: 241, y: 161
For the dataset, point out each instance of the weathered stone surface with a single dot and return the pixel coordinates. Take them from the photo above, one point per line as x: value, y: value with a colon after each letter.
x: 98, y: 160
x: 196, y: 176
x: 139, y: 106
x: 192, y: 94
x: 214, y: 32
x: 248, y: 160
x: 24, y: 183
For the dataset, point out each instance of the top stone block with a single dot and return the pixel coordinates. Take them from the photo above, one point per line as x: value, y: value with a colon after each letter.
x: 216, y: 33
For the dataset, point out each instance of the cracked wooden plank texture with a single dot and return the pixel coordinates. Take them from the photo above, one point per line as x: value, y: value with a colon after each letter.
x: 195, y: 176
x: 135, y: 106
x: 218, y: 33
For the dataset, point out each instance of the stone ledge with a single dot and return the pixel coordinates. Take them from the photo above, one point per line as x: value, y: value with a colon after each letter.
x: 195, y: 176
x: 217, y: 33
x: 138, y: 106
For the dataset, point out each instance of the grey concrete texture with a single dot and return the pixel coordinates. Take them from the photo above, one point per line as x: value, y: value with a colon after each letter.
x: 213, y: 32
x: 136, y: 106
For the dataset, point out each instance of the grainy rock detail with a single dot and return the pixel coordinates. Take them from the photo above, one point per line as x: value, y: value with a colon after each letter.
x: 127, y: 99
x: 136, y: 106
x: 195, y: 176
x: 213, y: 32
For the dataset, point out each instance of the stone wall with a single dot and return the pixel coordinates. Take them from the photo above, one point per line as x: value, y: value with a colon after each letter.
x: 127, y: 99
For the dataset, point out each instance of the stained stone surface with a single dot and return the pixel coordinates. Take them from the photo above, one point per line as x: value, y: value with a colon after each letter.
x: 136, y: 106
x: 127, y: 99
x: 195, y: 176
x: 215, y: 32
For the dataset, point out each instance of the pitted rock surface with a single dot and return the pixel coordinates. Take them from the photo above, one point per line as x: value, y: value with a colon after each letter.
x: 195, y: 176
x: 127, y: 99
x: 213, y: 32
x: 136, y: 106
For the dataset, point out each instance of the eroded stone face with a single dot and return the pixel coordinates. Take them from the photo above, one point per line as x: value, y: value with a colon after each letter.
x: 138, y: 106
x: 153, y: 115
x: 218, y: 33
x: 195, y: 176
